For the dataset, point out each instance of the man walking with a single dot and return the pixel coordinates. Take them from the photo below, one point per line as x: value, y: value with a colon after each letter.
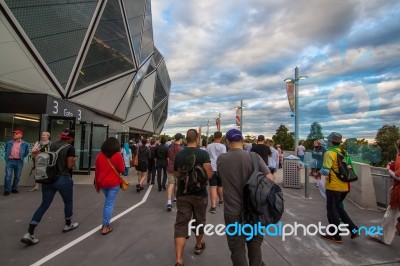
x: 336, y: 191
x: 63, y: 184
x: 214, y: 150
x: 194, y: 204
x: 261, y: 149
x: 161, y: 163
x: 235, y: 167
x: 273, y: 160
x: 15, y: 152
x: 173, y: 150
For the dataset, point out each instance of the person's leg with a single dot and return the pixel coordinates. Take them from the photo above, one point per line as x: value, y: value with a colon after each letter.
x: 48, y: 193
x: 65, y: 187
x: 236, y: 244
x: 159, y: 177
x: 179, y: 246
x: 213, y: 196
x: 153, y: 174
x: 389, y: 226
x: 344, y: 217
x: 7, y: 178
x: 17, y: 174
x: 171, y: 188
x: 220, y: 194
x: 332, y: 207
x: 111, y: 195
x: 143, y: 178
x: 164, y: 179
x: 254, y: 251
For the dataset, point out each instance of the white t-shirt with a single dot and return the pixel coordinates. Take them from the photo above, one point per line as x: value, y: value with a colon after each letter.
x: 214, y: 150
x: 273, y: 160
x: 300, y: 150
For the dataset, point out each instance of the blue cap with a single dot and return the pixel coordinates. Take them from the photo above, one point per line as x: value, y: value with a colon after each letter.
x: 234, y: 135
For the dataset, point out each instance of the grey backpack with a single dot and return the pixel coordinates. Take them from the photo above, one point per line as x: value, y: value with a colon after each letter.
x: 263, y: 199
x: 46, y: 166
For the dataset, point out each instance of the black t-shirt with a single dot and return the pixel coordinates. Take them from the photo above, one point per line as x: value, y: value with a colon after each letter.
x: 182, y: 158
x: 263, y: 150
x: 161, y: 153
x: 69, y: 151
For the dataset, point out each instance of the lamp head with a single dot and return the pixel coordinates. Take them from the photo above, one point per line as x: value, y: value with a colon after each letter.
x: 288, y: 80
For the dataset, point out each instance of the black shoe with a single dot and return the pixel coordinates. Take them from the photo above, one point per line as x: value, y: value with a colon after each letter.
x: 164, y: 189
x: 169, y: 207
x: 137, y: 185
x: 159, y: 189
x: 6, y: 193
x: 15, y: 191
x: 335, y: 239
x: 141, y: 188
x: 138, y: 190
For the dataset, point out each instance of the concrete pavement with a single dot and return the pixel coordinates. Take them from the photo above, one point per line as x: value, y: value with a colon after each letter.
x: 143, y: 232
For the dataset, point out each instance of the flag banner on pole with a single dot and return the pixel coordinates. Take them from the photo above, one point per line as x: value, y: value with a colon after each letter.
x: 290, y: 94
x: 218, y: 123
x: 238, y: 117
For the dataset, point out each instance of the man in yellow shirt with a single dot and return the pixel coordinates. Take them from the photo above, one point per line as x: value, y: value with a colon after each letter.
x: 336, y: 191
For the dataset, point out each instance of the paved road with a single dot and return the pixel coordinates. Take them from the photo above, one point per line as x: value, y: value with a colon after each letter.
x: 143, y: 233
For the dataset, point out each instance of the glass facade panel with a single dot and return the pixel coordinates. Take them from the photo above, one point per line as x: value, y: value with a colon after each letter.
x: 109, y: 53
x: 159, y: 92
x: 148, y: 7
x: 134, y: 8
x: 147, y: 45
x: 56, y: 29
x: 157, y: 113
x: 162, y: 70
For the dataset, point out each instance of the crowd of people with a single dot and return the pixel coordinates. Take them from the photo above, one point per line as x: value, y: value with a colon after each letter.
x: 227, y: 166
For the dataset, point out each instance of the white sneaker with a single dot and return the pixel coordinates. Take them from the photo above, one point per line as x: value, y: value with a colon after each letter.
x: 70, y: 227
x: 29, y: 239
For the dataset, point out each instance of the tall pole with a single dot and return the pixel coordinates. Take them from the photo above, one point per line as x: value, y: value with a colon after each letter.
x: 241, y: 116
x: 296, y: 108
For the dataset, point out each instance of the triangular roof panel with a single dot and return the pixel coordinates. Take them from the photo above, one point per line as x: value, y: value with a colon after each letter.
x: 147, y: 89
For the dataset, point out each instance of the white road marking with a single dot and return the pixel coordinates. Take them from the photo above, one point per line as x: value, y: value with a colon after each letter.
x: 91, y: 232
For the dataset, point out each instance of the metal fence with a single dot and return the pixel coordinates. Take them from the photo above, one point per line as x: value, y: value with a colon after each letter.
x: 382, y: 183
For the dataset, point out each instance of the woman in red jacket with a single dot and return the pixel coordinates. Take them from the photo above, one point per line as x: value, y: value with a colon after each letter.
x: 109, y: 166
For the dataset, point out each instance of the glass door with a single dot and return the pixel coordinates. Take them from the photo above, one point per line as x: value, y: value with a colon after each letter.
x: 100, y: 134
x: 83, y: 146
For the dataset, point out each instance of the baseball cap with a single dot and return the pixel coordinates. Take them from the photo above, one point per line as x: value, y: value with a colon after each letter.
x: 335, y: 137
x: 131, y: 141
x: 67, y: 134
x: 261, y: 137
x: 18, y: 132
x: 321, y: 141
x: 234, y: 135
x: 178, y: 136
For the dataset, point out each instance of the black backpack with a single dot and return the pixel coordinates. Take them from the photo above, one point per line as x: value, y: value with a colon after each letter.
x: 46, y: 166
x: 346, y: 171
x: 193, y: 177
x: 262, y: 198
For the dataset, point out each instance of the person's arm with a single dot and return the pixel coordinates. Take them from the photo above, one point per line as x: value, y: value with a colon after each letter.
x: 71, y: 157
x: 208, y: 168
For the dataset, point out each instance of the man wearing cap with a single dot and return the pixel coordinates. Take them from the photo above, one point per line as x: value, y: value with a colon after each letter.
x: 63, y: 184
x: 261, y: 149
x: 173, y: 150
x: 235, y: 167
x: 15, y: 152
x: 336, y: 190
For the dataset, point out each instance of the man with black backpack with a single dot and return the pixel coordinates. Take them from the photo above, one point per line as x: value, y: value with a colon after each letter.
x: 235, y: 168
x: 193, y: 170
x: 336, y: 164
x: 62, y: 183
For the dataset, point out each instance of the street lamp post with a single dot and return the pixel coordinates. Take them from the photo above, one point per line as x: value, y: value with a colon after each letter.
x: 295, y: 82
x: 208, y: 126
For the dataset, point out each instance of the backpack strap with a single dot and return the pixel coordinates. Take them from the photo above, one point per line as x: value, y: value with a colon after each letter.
x: 62, y: 147
x: 253, y: 156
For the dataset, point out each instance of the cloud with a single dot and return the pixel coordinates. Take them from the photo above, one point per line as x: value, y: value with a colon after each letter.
x: 220, y: 53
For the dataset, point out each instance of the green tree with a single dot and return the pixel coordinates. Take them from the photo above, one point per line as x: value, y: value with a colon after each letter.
x: 315, y: 134
x: 353, y: 145
x: 385, y: 139
x: 284, y: 138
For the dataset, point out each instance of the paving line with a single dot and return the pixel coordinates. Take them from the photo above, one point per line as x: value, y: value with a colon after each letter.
x: 91, y: 232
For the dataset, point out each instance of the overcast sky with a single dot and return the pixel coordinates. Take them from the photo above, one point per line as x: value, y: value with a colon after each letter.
x: 219, y: 52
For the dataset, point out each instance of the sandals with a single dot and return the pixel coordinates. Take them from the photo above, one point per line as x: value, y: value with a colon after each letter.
x: 199, y: 250
x: 106, y: 230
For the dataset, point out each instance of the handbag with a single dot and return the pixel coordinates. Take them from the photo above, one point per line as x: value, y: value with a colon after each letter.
x: 135, y: 160
x: 124, y: 185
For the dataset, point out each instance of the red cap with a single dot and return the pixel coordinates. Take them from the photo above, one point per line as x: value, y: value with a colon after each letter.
x: 18, y: 132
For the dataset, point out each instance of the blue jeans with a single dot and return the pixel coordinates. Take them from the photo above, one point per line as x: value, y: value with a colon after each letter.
x: 64, y: 185
x: 126, y: 171
x: 16, y: 166
x: 301, y: 157
x: 111, y: 194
